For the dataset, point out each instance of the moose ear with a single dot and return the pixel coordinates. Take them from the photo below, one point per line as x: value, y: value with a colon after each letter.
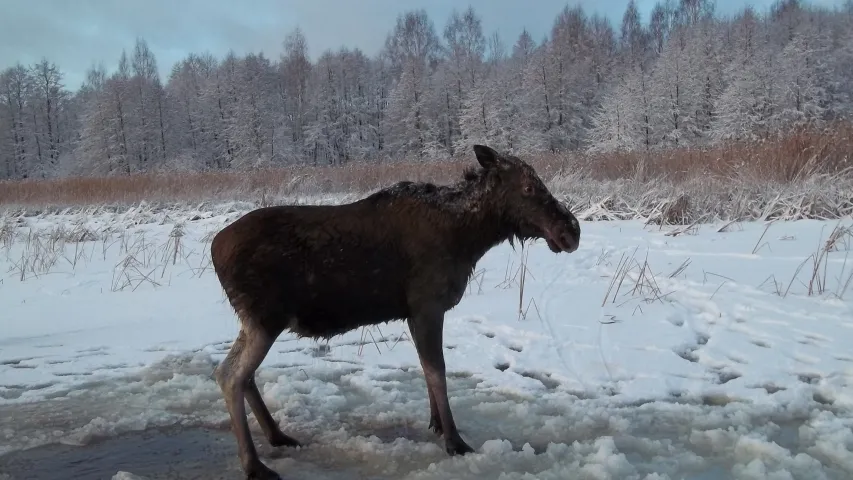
x: 487, y: 156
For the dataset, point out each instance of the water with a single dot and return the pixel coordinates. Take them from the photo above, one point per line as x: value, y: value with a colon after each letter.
x: 115, y: 427
x: 157, y: 454
x: 198, y: 453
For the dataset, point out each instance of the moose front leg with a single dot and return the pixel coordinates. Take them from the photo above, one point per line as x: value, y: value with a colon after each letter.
x: 427, y: 332
x: 434, y: 416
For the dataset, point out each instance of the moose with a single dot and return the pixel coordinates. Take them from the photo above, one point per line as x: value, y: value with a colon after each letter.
x: 405, y: 252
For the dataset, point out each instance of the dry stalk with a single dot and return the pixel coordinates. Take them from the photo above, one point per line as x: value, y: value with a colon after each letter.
x: 7, y: 233
x: 399, y: 338
x: 138, y: 258
x: 366, y: 330
x: 645, y: 284
x: 681, y: 268
x: 524, y: 257
x: 39, y: 255
x: 756, y: 247
x: 79, y: 253
x: 530, y: 303
x: 208, y: 237
x: 777, y: 287
x: 131, y: 275
x: 816, y: 283
x: 602, y: 258
x: 477, y: 277
x: 205, y: 263
x: 619, y: 276
x: 726, y: 226
x: 508, y: 279
x: 717, y: 290
x: 173, y: 247
x: 691, y: 229
x: 843, y: 290
x: 839, y: 239
x: 796, y: 273
x: 705, y: 276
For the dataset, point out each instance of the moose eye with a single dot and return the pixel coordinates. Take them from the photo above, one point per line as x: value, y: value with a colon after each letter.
x: 528, y: 189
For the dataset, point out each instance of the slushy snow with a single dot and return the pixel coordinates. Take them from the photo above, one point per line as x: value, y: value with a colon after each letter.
x: 650, y: 353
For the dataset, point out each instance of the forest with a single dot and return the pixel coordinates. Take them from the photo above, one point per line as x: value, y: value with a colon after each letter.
x: 686, y: 77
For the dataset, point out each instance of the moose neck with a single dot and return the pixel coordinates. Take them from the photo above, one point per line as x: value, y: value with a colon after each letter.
x: 482, y: 223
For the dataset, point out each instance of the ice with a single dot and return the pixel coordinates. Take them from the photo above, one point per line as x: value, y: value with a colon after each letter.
x: 644, y: 355
x: 127, y: 476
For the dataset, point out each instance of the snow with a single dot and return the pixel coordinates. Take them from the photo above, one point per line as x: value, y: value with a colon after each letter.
x: 643, y: 355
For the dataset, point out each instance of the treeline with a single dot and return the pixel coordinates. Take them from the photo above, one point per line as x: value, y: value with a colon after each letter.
x: 684, y: 77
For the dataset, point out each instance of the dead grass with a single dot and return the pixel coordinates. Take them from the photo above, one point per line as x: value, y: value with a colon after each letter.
x: 670, y: 178
x: 813, y: 273
x: 645, y: 286
x: 261, y: 186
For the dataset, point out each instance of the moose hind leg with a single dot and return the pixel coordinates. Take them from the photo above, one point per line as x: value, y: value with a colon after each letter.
x: 273, y: 432
x: 233, y: 376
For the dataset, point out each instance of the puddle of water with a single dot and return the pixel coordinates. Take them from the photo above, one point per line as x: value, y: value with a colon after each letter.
x: 369, y: 439
x: 156, y: 454
x: 172, y: 453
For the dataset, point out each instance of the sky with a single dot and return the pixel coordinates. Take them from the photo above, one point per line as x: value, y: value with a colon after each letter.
x: 75, y: 34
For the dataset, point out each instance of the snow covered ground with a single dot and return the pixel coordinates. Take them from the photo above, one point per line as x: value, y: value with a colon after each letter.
x: 644, y: 355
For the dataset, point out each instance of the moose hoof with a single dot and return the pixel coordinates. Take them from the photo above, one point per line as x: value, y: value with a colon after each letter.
x: 259, y: 471
x: 457, y: 447
x: 283, y: 440
x: 435, y: 426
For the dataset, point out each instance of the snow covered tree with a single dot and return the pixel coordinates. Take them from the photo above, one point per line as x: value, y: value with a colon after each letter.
x: 413, y: 50
x: 684, y: 77
x: 295, y: 72
x: 804, y: 89
x: 745, y: 106
x: 466, y: 46
x: 17, y: 141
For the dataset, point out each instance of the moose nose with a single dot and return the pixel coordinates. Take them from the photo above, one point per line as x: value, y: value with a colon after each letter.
x: 569, y: 241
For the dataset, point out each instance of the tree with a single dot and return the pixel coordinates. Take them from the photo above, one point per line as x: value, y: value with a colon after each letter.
x: 685, y: 77
x: 466, y: 46
x: 413, y: 50
x: 746, y: 104
x: 295, y: 71
x: 15, y: 91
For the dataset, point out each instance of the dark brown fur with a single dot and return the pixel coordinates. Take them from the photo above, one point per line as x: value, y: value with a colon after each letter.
x: 403, y: 253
